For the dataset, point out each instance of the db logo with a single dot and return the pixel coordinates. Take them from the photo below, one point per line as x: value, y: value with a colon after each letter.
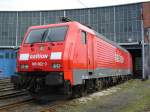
x: 39, y: 56
x: 119, y: 58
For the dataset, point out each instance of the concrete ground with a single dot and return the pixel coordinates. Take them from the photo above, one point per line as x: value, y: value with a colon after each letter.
x: 131, y: 96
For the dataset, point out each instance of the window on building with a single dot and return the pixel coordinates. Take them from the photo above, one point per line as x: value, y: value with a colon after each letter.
x: 16, y: 55
x: 12, y: 55
x: 1, y: 56
x: 7, y: 55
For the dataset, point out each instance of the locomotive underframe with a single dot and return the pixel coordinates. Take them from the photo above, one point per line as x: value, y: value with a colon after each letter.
x: 38, y: 81
x: 39, y: 84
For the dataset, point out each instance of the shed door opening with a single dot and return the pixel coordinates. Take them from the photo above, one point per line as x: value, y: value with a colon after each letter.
x: 137, y: 62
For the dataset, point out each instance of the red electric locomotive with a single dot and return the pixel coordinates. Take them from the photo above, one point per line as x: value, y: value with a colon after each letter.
x: 70, y: 58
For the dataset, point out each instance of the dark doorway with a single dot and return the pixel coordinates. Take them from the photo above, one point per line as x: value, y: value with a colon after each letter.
x: 137, y: 62
x: 136, y: 53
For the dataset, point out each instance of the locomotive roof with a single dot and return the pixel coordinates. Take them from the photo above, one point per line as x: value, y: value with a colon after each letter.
x: 103, y: 37
x: 84, y: 27
x: 109, y: 41
x: 49, y: 25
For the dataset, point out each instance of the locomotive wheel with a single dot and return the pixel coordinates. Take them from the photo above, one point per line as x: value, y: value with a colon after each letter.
x: 105, y: 82
x: 118, y: 80
x: 98, y: 84
x: 79, y: 91
x: 76, y: 92
x: 128, y: 77
x: 83, y: 91
x: 123, y: 78
x: 67, y: 89
x: 111, y: 81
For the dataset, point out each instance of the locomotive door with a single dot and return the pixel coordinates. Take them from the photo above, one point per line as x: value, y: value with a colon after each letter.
x: 90, y: 54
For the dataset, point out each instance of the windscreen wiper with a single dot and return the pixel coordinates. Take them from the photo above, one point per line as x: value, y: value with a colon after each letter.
x: 44, y: 35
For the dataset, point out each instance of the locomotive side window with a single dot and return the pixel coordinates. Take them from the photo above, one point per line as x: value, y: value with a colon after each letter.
x: 83, y: 38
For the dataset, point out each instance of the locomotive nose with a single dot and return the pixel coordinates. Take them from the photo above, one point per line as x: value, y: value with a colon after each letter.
x: 41, y: 57
x: 41, y: 61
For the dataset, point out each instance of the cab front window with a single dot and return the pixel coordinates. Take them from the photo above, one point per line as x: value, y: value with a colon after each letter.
x: 51, y: 34
x: 56, y: 34
x: 35, y: 35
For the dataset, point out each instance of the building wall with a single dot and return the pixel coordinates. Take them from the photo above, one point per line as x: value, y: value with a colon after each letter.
x: 146, y: 23
x: 146, y: 14
x: 7, y: 62
x: 8, y: 28
x: 118, y: 23
x: 146, y: 19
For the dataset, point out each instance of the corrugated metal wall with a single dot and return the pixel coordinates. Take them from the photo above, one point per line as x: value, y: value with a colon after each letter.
x: 118, y: 23
x: 7, y: 62
x: 8, y: 28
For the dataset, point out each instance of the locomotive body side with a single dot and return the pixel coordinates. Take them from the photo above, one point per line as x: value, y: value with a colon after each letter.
x: 111, y: 60
x: 98, y: 57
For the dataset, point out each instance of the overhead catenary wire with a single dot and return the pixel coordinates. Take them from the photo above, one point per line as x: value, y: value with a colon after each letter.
x: 82, y: 3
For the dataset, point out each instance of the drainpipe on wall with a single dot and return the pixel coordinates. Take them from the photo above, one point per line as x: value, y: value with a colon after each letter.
x: 143, y: 50
x: 17, y: 31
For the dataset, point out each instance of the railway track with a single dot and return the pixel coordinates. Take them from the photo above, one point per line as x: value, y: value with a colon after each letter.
x: 11, y: 98
x: 16, y: 104
x: 11, y: 94
x: 53, y: 106
x: 5, y: 83
x: 31, y: 105
x: 4, y: 80
x: 7, y: 90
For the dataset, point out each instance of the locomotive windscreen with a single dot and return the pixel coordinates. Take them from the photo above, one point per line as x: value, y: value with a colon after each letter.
x: 51, y: 34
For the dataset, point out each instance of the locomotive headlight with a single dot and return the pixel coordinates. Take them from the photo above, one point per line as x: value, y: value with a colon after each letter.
x: 24, y: 66
x: 56, y: 65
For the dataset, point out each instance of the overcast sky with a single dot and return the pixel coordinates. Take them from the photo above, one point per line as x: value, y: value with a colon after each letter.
x: 18, y: 5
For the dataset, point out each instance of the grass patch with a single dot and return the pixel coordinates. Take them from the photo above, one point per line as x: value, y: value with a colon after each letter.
x: 142, y: 92
x: 135, y: 93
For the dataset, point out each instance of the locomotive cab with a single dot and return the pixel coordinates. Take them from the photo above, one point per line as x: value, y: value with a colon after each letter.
x: 40, y: 60
x: 42, y: 50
